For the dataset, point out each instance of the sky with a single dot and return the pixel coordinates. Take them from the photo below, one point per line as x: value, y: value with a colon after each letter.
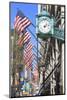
x: 30, y: 10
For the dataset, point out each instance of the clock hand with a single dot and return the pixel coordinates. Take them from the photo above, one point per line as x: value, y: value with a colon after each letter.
x: 44, y: 26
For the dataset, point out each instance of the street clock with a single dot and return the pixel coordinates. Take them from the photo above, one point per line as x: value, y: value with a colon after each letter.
x: 44, y: 25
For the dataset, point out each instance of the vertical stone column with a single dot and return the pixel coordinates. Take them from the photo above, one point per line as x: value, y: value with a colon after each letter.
x: 57, y: 53
x: 62, y: 70
x: 53, y: 76
x: 41, y: 77
x: 62, y: 56
x: 52, y: 79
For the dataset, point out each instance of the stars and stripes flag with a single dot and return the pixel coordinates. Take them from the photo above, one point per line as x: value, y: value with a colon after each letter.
x: 29, y: 62
x: 28, y: 65
x: 28, y: 47
x: 21, y: 22
x: 28, y: 51
x: 23, y: 38
x: 27, y: 57
x: 28, y: 54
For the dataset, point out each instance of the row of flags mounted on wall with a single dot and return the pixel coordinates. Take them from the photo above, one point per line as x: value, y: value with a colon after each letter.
x: 24, y: 38
x: 20, y: 25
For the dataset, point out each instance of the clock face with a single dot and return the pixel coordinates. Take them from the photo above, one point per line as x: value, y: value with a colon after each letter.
x: 44, y: 26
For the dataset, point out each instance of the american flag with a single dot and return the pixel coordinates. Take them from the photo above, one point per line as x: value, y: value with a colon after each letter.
x: 28, y: 54
x: 28, y: 57
x: 29, y: 62
x: 28, y: 47
x: 28, y: 51
x: 24, y: 38
x: 29, y: 65
x: 21, y: 22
